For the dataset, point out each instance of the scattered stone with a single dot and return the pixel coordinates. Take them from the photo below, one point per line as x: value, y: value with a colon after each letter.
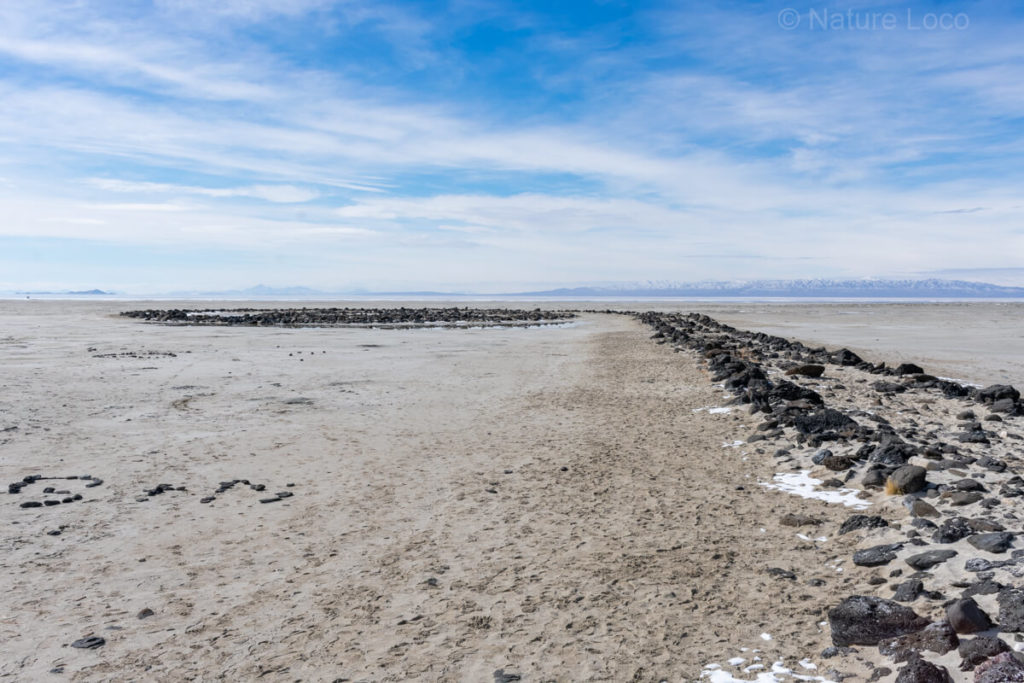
x: 500, y: 676
x: 856, y: 522
x: 799, y: 520
x: 965, y: 497
x: 952, y: 530
x: 876, y: 556
x: 89, y: 643
x: 922, y: 508
x: 928, y: 559
x: 780, y: 573
x: 996, y: 542
x: 908, y: 591
x: 145, y: 613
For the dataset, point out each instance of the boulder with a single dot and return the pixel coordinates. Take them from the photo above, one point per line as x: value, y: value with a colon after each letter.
x: 929, y: 558
x: 867, y: 620
x: 1003, y: 668
x: 974, y: 651
x: 876, y: 556
x: 909, y: 478
x: 809, y: 370
x: 909, y: 369
x: 965, y: 616
x: 908, y: 591
x: 1011, y: 609
x: 822, y: 421
x: 952, y: 530
x: 996, y: 542
x: 856, y: 522
x: 919, y: 670
x: 845, y: 357
x: 938, y: 638
x: 995, y: 392
x: 1003, y: 405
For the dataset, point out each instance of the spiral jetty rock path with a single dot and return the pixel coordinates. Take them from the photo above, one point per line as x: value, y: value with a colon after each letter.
x: 354, y: 317
x: 945, y: 563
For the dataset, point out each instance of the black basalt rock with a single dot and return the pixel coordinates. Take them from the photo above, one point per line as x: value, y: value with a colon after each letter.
x: 866, y: 620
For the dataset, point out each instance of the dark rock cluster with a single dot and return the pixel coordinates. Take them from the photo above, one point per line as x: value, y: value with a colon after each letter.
x: 226, y: 486
x: 340, y: 317
x: 60, y: 496
x: 878, y: 428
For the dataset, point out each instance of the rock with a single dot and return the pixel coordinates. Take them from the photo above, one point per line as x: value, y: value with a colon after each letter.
x: 31, y: 504
x: 145, y: 613
x: 845, y: 357
x: 873, y: 479
x: 822, y: 421
x: 89, y: 643
x: 919, y: 670
x: 976, y: 650
x: 965, y: 497
x: 780, y: 573
x: 809, y: 370
x: 967, y: 484
x: 892, y: 452
x: 500, y: 676
x: 909, y: 479
x: 798, y: 520
x: 908, y: 591
x: 996, y: 542
x: 952, y: 530
x: 965, y: 616
x: 867, y: 620
x: 909, y: 369
x: 876, y: 556
x: 1003, y: 668
x: 1011, y: 609
x: 838, y: 463
x: 888, y: 387
x: 978, y: 564
x: 938, y: 638
x: 208, y: 499
x: 856, y: 522
x: 966, y: 415
x: 928, y: 559
x: 993, y: 393
x: 922, y: 508
x: 272, y: 499
x: 1003, y: 405
x: 986, y: 587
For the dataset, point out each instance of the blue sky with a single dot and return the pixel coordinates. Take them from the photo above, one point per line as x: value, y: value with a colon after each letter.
x: 184, y: 144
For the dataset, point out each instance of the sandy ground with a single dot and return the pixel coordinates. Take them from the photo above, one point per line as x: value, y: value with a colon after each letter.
x: 555, y: 503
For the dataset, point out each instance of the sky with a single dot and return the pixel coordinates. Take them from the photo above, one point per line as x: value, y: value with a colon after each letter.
x: 481, y: 146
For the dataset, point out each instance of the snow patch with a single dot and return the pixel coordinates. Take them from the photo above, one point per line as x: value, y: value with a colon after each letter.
x: 803, y: 485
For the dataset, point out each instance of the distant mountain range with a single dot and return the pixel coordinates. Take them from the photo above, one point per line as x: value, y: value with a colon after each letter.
x: 858, y: 289
x: 789, y: 289
x: 90, y: 292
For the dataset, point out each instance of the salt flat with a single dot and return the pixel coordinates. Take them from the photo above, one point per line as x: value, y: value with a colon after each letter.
x: 554, y: 502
